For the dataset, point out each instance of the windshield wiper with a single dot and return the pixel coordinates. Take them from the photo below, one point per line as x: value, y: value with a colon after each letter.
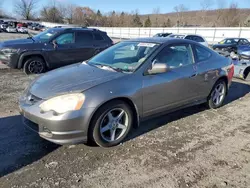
x: 113, y: 68
x: 30, y: 36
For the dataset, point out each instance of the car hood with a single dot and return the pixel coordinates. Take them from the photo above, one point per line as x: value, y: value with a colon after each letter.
x: 17, y: 41
x: 74, y: 78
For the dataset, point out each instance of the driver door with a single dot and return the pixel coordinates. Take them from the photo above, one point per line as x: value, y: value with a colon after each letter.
x: 64, y: 52
x: 174, y: 88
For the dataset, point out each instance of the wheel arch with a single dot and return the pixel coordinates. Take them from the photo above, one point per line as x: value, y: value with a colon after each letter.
x: 224, y: 78
x: 26, y: 56
x: 127, y: 101
x: 246, y: 72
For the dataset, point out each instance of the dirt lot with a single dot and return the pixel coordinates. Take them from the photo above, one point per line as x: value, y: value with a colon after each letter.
x: 194, y: 147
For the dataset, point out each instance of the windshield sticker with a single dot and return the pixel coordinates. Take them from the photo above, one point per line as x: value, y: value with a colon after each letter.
x: 49, y: 34
x: 151, y: 45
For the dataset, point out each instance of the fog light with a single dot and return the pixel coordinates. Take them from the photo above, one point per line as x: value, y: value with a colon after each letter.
x: 46, y: 132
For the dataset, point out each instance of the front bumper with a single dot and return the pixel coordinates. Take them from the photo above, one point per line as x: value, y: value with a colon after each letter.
x: 67, y: 128
x: 10, y: 61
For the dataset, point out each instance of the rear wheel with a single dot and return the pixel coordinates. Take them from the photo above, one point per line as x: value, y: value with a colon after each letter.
x: 34, y: 65
x: 111, y: 124
x: 217, y: 95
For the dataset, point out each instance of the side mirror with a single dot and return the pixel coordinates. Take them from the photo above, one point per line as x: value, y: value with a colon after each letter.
x: 158, y: 68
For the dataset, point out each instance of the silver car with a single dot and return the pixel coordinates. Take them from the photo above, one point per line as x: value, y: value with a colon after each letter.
x: 100, y: 100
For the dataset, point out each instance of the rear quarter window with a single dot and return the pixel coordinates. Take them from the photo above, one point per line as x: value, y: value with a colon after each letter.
x: 98, y: 36
x: 202, y: 54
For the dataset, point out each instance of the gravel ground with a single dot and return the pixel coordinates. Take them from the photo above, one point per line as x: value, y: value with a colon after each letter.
x: 194, y: 147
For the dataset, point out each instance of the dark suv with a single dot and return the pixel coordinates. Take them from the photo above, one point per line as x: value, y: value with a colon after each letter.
x: 53, y: 48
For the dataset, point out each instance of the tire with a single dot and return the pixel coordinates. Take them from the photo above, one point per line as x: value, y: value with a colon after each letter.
x: 34, y: 65
x: 213, y: 103
x: 246, y: 74
x: 99, y: 131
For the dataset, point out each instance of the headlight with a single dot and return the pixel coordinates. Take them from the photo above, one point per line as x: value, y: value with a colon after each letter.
x: 9, y: 50
x: 63, y: 103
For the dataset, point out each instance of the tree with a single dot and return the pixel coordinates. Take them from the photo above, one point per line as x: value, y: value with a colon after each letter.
x: 98, y: 13
x: 180, y: 9
x: 168, y: 24
x: 25, y: 8
x: 156, y: 12
x: 205, y: 6
x: 137, y: 21
x: 51, y: 14
x: 147, y: 22
x: 66, y: 11
x: 230, y: 18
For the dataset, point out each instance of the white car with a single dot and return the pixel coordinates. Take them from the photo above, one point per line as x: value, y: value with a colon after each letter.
x: 22, y: 30
x: 194, y: 37
x: 11, y: 29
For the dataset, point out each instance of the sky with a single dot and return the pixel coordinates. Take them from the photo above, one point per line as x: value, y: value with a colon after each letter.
x: 143, y: 6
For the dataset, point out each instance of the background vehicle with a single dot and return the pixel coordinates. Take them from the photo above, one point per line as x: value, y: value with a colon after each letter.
x: 3, y: 26
x: 242, y: 69
x: 11, y: 29
x: 230, y: 44
x: 53, y: 48
x: 101, y: 99
x: 196, y: 38
x: 22, y: 30
x: 162, y: 34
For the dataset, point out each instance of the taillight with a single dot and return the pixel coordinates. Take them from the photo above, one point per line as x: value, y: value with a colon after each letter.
x: 230, y: 71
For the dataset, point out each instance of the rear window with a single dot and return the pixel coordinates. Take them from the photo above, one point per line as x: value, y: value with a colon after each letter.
x: 97, y: 36
x: 202, y: 53
x: 84, y: 37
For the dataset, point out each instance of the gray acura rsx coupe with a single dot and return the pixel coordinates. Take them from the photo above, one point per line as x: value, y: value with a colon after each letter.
x: 101, y: 99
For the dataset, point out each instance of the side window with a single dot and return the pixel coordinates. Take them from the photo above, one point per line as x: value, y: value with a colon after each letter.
x: 189, y: 37
x: 202, y: 53
x: 66, y: 38
x: 199, y: 39
x: 84, y: 37
x: 97, y: 36
x: 176, y: 56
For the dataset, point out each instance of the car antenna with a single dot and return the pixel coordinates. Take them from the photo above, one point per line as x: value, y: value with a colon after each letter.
x: 30, y: 36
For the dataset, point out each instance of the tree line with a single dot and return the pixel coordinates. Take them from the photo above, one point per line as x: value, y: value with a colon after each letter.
x: 225, y: 15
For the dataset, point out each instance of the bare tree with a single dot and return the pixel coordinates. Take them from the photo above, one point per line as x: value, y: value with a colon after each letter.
x: 67, y: 10
x: 205, y: 6
x: 156, y: 13
x: 180, y: 9
x: 25, y: 8
x: 230, y: 18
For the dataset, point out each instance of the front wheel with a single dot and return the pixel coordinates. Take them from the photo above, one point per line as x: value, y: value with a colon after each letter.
x: 111, y: 124
x: 34, y: 65
x: 217, y: 95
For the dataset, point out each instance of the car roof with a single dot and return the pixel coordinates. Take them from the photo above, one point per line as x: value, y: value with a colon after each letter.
x: 74, y: 29
x: 234, y: 38
x: 159, y: 40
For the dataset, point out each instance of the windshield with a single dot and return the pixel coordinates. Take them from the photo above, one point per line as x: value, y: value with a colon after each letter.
x: 229, y: 41
x: 45, y: 36
x: 125, y: 56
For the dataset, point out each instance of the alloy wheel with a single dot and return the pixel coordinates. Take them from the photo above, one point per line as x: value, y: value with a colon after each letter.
x: 218, y: 94
x: 35, y: 67
x: 114, y: 124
